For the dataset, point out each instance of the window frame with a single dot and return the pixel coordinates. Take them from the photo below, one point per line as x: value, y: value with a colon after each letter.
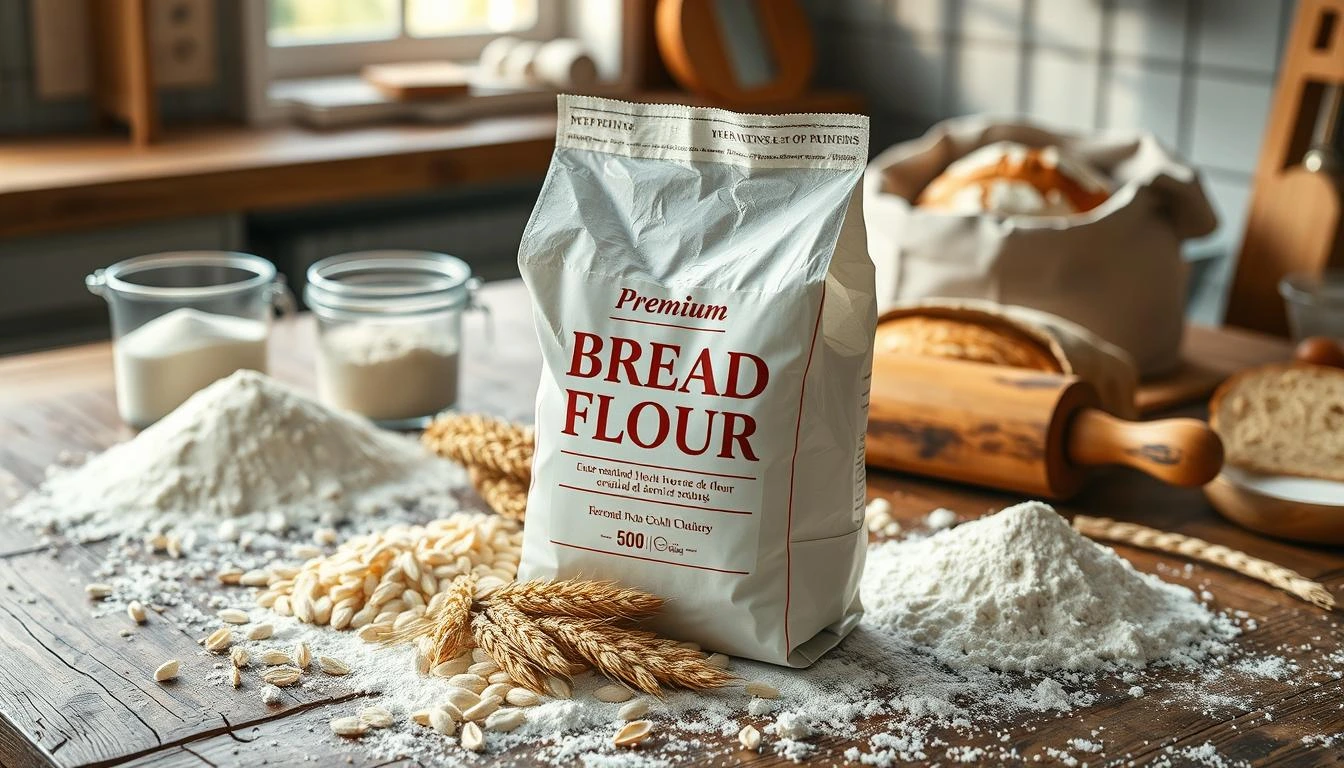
x: 348, y: 58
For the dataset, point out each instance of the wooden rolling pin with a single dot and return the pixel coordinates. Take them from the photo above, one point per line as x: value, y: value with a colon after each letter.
x: 1019, y: 430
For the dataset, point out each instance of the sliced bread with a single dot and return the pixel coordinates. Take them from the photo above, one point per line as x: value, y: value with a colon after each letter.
x: 1285, y: 419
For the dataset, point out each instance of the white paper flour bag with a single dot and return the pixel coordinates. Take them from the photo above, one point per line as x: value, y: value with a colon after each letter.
x: 705, y: 306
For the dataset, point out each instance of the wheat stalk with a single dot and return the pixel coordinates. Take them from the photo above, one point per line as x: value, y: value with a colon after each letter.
x: 1286, y: 579
x: 521, y: 670
x: 639, y: 659
x: 579, y: 599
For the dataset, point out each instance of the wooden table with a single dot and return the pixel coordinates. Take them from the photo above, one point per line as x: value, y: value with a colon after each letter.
x: 73, y: 693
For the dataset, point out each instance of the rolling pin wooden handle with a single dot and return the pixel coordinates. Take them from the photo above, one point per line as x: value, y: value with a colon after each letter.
x: 1175, y: 451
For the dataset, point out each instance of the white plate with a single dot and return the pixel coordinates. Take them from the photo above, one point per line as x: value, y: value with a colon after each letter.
x: 1304, y: 490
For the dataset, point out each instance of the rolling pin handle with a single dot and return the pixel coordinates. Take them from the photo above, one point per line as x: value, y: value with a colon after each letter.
x: 1176, y: 451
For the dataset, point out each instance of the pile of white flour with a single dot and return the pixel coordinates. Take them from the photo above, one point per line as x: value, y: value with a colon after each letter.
x: 245, y: 448
x: 1022, y: 591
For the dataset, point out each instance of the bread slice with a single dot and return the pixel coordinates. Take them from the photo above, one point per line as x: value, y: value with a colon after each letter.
x: 1285, y: 419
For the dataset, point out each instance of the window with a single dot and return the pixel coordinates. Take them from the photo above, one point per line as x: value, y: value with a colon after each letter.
x: 329, y: 37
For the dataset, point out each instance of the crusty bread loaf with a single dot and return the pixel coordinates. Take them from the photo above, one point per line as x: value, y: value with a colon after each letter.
x: 1010, y: 178
x: 982, y: 341
x: 1283, y: 418
x: 988, y: 332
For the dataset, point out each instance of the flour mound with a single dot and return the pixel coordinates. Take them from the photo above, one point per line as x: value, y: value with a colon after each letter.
x: 245, y: 445
x: 1022, y: 591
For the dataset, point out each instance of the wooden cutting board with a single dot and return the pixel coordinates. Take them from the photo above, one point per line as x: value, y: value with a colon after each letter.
x: 1208, y: 357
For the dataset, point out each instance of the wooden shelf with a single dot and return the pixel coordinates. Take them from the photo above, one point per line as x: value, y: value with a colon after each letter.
x: 70, y: 183
x: 54, y: 185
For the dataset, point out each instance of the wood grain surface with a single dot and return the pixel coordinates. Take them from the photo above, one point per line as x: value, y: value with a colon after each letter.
x: 75, y: 693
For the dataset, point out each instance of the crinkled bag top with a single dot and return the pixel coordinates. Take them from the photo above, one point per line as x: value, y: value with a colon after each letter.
x: 704, y: 303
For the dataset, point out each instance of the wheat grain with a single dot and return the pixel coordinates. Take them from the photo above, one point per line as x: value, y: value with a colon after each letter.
x: 496, y: 689
x: 472, y: 739
x: 236, y: 677
x: 376, y: 717
x: 331, y: 666
x: 260, y: 632
x: 631, y: 734
x: 719, y: 660
x: 281, y: 676
x: 441, y: 721
x: 521, y: 697
x: 232, y: 616
x: 167, y: 671
x: 239, y: 656
x: 612, y: 694
x: 136, y: 611
x: 349, y: 727
x: 302, y: 655
x: 504, y: 720
x: 219, y: 640
x: 98, y: 591
x: 482, y: 708
x: 272, y: 657
x: 473, y: 683
x: 634, y: 710
x: 462, y: 698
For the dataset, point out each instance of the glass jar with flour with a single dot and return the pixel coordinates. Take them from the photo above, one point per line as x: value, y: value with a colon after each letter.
x: 389, y: 332
x: 182, y: 320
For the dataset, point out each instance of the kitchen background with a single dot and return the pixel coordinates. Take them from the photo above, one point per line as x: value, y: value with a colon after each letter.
x: 1198, y: 73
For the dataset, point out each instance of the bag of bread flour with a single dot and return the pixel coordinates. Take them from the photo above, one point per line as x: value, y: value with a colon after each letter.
x: 705, y: 307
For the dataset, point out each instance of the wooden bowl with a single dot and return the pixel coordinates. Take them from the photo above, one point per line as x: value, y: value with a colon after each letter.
x: 1297, y: 508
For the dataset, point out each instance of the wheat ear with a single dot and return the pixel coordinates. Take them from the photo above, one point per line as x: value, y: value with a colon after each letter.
x: 449, y: 625
x: 580, y: 599
x: 639, y: 659
x: 1286, y: 579
x: 523, y: 634
x: 495, y: 446
x: 492, y: 639
x: 505, y: 495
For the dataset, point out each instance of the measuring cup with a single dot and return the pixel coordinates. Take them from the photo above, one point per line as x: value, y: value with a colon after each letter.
x: 184, y: 319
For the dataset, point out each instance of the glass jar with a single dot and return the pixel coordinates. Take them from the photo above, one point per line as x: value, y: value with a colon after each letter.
x: 389, y: 327
x: 1315, y: 304
x: 183, y: 320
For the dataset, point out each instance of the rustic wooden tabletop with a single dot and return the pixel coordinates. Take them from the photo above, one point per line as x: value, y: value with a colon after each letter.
x: 74, y: 693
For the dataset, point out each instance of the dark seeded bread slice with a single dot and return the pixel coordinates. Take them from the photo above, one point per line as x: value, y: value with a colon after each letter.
x: 1283, y: 419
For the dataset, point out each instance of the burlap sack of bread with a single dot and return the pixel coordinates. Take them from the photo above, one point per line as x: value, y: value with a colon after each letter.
x: 1115, y: 269
x: 982, y: 331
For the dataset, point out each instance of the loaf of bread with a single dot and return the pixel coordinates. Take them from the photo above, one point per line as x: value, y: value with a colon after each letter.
x: 1013, y: 179
x: 1019, y: 337
x: 983, y: 340
x: 1283, y: 419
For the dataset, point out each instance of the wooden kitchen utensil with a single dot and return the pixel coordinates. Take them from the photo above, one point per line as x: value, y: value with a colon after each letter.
x: 1296, y: 219
x: 1019, y: 430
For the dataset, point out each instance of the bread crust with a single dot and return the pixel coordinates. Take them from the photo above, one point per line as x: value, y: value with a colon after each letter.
x: 986, y: 340
x: 1234, y: 381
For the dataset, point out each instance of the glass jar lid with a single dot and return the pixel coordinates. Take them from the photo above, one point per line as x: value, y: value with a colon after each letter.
x: 180, y: 275
x: 388, y: 283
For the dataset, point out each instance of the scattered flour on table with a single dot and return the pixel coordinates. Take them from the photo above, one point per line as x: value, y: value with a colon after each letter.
x: 246, y: 447
x: 883, y: 687
x: 1022, y: 591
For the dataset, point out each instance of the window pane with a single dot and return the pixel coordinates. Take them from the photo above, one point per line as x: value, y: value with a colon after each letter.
x: 437, y: 18
x: 307, y: 22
